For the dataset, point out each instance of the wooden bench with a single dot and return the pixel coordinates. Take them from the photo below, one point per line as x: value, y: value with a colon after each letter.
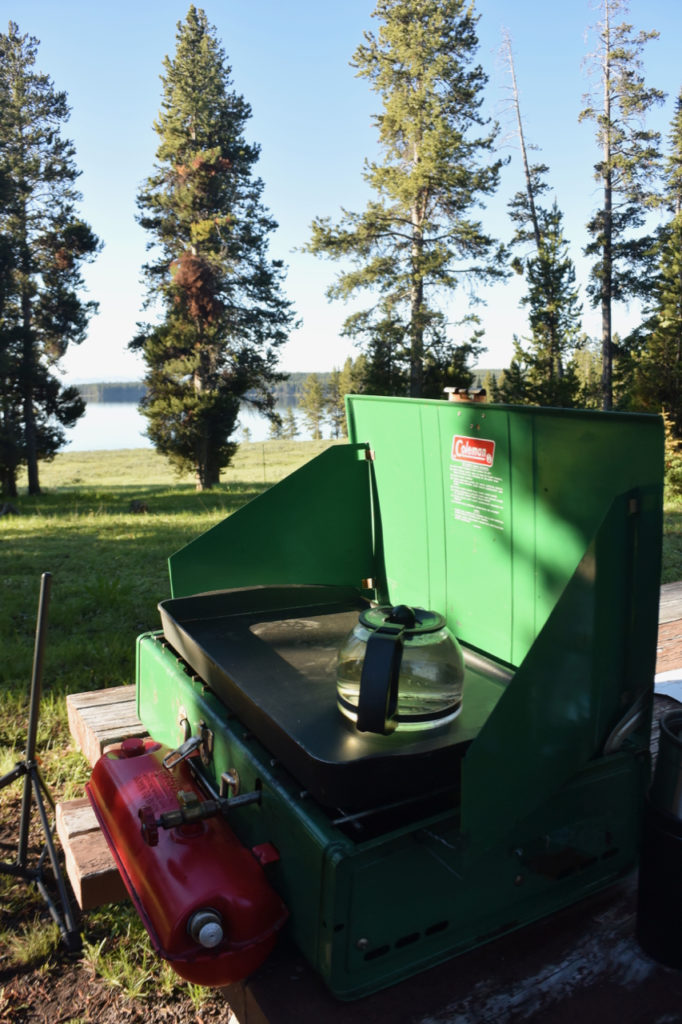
x: 98, y: 720
x: 102, y: 718
x: 89, y: 864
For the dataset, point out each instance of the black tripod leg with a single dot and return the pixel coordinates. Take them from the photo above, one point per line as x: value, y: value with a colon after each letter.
x: 34, y: 711
x: 66, y: 923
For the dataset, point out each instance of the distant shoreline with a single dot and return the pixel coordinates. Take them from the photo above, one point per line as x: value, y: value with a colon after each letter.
x: 286, y: 392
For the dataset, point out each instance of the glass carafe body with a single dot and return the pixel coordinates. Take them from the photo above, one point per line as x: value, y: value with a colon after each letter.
x: 430, y: 677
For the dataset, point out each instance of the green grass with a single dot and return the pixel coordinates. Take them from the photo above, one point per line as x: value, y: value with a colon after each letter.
x: 109, y: 571
x: 108, y: 564
x: 34, y: 943
x: 123, y: 959
x: 672, y: 540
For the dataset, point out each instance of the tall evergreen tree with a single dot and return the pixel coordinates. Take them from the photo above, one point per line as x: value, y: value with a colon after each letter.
x: 419, y: 237
x: 312, y: 404
x: 333, y: 402
x: 673, y: 163
x: 224, y: 313
x: 658, y: 373
x: 349, y: 380
x: 44, y: 242
x: 289, y: 425
x: 541, y: 373
x: 554, y: 316
x: 627, y: 172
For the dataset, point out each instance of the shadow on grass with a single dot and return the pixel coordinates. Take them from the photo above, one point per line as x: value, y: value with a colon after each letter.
x: 109, y: 571
x: 121, y: 499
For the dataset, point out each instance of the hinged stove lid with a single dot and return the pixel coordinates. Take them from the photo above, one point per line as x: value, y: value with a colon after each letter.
x: 315, y: 526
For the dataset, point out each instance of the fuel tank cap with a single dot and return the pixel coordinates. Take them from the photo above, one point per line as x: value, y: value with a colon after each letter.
x: 206, y: 927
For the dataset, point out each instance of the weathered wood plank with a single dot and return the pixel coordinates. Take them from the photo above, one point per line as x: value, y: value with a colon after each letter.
x: 111, y: 695
x: 89, y: 864
x: 670, y: 605
x: 101, y: 718
x: 75, y: 818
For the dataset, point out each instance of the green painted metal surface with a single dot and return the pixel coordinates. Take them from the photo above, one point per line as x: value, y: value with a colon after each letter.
x: 545, y: 552
x: 367, y: 914
x: 315, y: 526
x: 493, y: 546
x: 537, y: 533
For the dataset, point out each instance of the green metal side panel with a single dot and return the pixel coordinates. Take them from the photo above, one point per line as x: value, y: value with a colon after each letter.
x: 535, y: 531
x: 315, y: 526
x: 547, y: 557
x: 493, y: 546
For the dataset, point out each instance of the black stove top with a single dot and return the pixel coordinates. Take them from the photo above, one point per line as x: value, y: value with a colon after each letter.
x: 269, y: 654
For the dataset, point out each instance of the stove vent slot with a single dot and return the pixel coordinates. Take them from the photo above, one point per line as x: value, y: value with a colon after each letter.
x: 374, y: 954
x: 439, y: 926
x: 407, y: 940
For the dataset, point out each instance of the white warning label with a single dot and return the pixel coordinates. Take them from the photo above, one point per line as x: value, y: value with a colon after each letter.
x: 477, y: 495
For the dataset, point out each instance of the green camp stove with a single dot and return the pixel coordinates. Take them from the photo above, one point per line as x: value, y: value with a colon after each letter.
x: 535, y: 535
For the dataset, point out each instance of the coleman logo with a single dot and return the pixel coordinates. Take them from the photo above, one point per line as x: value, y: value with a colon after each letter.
x: 473, y: 449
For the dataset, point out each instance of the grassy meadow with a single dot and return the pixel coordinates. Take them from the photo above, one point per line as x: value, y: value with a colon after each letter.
x: 108, y: 566
x: 108, y: 563
x: 109, y: 571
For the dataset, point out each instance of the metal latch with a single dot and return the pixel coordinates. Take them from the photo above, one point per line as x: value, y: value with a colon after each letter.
x: 184, y: 750
x: 203, y: 743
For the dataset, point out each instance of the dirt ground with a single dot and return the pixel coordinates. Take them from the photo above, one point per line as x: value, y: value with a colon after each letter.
x: 68, y: 992
x: 64, y: 987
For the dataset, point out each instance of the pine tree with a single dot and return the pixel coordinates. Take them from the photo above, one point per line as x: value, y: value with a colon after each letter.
x: 512, y: 387
x: 225, y: 316
x: 349, y: 380
x: 289, y: 425
x: 542, y: 373
x: 673, y: 163
x: 418, y: 238
x: 312, y: 404
x: 448, y: 363
x: 44, y: 243
x: 658, y: 373
x: 276, y: 429
x: 627, y: 172
x: 554, y: 318
x: 489, y: 385
x: 334, y: 404
x: 588, y: 370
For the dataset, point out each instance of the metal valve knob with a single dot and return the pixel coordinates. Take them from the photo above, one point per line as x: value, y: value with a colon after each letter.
x: 148, y: 825
x: 206, y: 927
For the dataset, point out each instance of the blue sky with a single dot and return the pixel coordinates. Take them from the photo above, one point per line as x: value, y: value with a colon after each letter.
x: 312, y: 119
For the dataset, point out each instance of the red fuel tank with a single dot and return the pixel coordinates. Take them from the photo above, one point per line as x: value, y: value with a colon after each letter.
x: 202, y: 896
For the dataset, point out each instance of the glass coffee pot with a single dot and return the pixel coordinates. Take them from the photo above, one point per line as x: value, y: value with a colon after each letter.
x: 400, y: 668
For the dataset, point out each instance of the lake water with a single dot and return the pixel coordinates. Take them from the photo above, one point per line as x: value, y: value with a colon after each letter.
x: 109, y: 425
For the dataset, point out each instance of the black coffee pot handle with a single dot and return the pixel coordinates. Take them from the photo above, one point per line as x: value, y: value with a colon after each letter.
x: 378, y: 697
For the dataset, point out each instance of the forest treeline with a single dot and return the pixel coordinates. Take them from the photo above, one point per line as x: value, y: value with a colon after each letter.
x: 416, y: 256
x: 285, y: 392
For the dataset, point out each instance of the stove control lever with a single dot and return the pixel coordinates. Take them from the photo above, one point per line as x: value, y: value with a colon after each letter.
x: 183, y: 751
x: 191, y: 811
